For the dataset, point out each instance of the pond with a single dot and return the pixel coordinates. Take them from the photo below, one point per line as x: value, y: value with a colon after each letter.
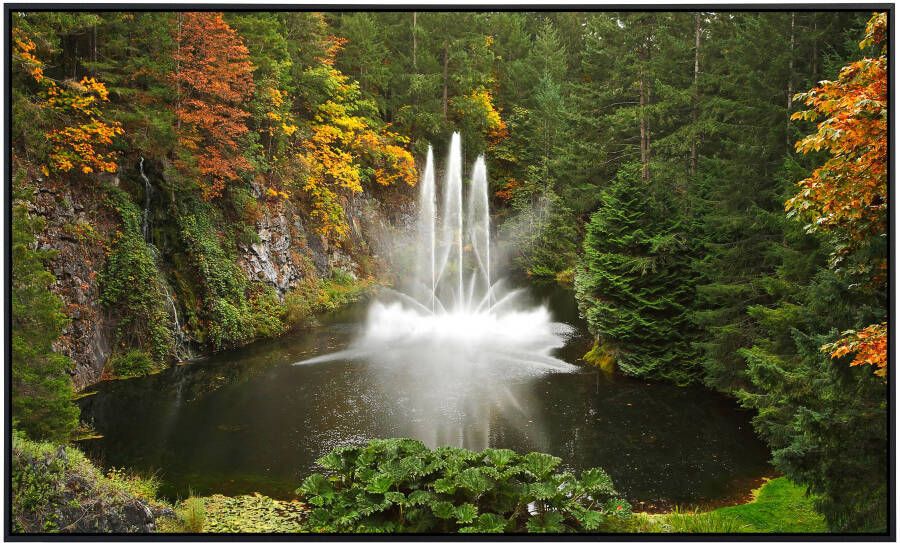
x: 250, y: 421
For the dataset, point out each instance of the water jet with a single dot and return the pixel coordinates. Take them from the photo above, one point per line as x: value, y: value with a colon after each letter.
x: 454, y: 308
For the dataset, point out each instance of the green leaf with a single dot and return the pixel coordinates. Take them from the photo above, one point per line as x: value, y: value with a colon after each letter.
x: 331, y: 461
x: 395, y: 497
x: 445, y: 485
x: 316, y: 484
x: 539, y: 464
x: 443, y: 509
x: 596, y: 480
x: 474, y: 480
x: 465, y: 513
x: 549, y: 522
x: 380, y: 484
x: 499, y: 457
x: 490, y: 523
x: 419, y: 497
x: 544, y: 490
x: 590, y: 520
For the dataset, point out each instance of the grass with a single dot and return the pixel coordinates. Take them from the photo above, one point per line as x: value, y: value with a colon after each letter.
x: 779, y: 506
x: 191, y: 515
x: 55, y: 488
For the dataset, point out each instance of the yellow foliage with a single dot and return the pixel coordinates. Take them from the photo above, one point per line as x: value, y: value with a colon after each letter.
x: 479, y: 104
x: 23, y: 52
x: 341, y: 151
x: 80, y: 144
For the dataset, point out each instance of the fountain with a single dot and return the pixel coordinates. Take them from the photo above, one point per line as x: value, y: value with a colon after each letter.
x: 470, y: 367
x: 454, y: 310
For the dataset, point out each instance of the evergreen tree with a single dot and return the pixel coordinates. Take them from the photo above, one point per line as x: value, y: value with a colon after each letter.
x: 42, y: 393
x: 825, y: 421
x: 634, y: 285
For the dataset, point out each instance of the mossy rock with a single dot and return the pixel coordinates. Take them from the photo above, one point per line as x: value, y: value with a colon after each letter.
x: 602, y: 357
x: 55, y: 489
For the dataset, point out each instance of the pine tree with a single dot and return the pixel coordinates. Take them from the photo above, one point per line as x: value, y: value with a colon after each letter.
x: 826, y: 422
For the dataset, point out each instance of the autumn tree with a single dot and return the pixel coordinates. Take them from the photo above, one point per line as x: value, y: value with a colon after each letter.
x: 847, y: 196
x: 345, y: 147
x: 214, y: 82
x: 82, y: 141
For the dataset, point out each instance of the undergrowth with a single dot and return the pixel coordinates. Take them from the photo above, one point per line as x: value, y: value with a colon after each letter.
x: 399, y: 485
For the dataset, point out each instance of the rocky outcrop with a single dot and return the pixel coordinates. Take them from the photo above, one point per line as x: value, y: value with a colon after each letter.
x: 77, y: 230
x: 81, y: 229
x: 281, y: 258
x: 289, y: 251
x: 56, y: 489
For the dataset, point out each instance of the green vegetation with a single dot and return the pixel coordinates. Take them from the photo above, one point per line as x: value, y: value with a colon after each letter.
x: 134, y: 363
x: 779, y: 506
x: 42, y: 392
x: 649, y: 157
x: 399, y: 485
x: 395, y: 485
x: 190, y: 517
x: 634, y: 287
x: 56, y: 489
x: 320, y: 296
x: 239, y: 514
x: 230, y: 311
x: 143, y: 325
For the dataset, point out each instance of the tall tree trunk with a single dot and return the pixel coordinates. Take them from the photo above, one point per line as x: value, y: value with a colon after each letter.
x: 446, y: 65
x: 790, y: 87
x: 696, y: 98
x: 94, y: 55
x: 645, y: 152
x: 815, y: 48
x: 415, y: 44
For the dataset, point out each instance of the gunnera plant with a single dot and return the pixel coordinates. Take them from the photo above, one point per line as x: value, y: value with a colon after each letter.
x: 400, y: 485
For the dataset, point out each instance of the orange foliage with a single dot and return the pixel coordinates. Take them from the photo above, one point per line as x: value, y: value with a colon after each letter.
x: 23, y: 52
x: 214, y: 79
x: 79, y: 145
x: 848, y: 194
x: 869, y: 345
x: 509, y: 188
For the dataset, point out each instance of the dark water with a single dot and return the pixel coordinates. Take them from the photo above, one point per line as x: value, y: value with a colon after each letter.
x: 249, y: 421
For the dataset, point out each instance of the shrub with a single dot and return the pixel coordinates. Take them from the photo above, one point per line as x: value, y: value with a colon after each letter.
x: 234, y: 311
x: 143, y: 315
x: 322, y: 295
x: 134, y: 363
x: 399, y: 485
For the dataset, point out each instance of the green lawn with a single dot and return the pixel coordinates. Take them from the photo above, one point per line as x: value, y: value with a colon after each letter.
x: 778, y: 506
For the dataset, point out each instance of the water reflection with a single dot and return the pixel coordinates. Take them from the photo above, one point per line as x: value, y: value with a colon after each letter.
x: 250, y: 421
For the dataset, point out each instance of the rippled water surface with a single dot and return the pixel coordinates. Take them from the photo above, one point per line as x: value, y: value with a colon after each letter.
x: 249, y: 420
